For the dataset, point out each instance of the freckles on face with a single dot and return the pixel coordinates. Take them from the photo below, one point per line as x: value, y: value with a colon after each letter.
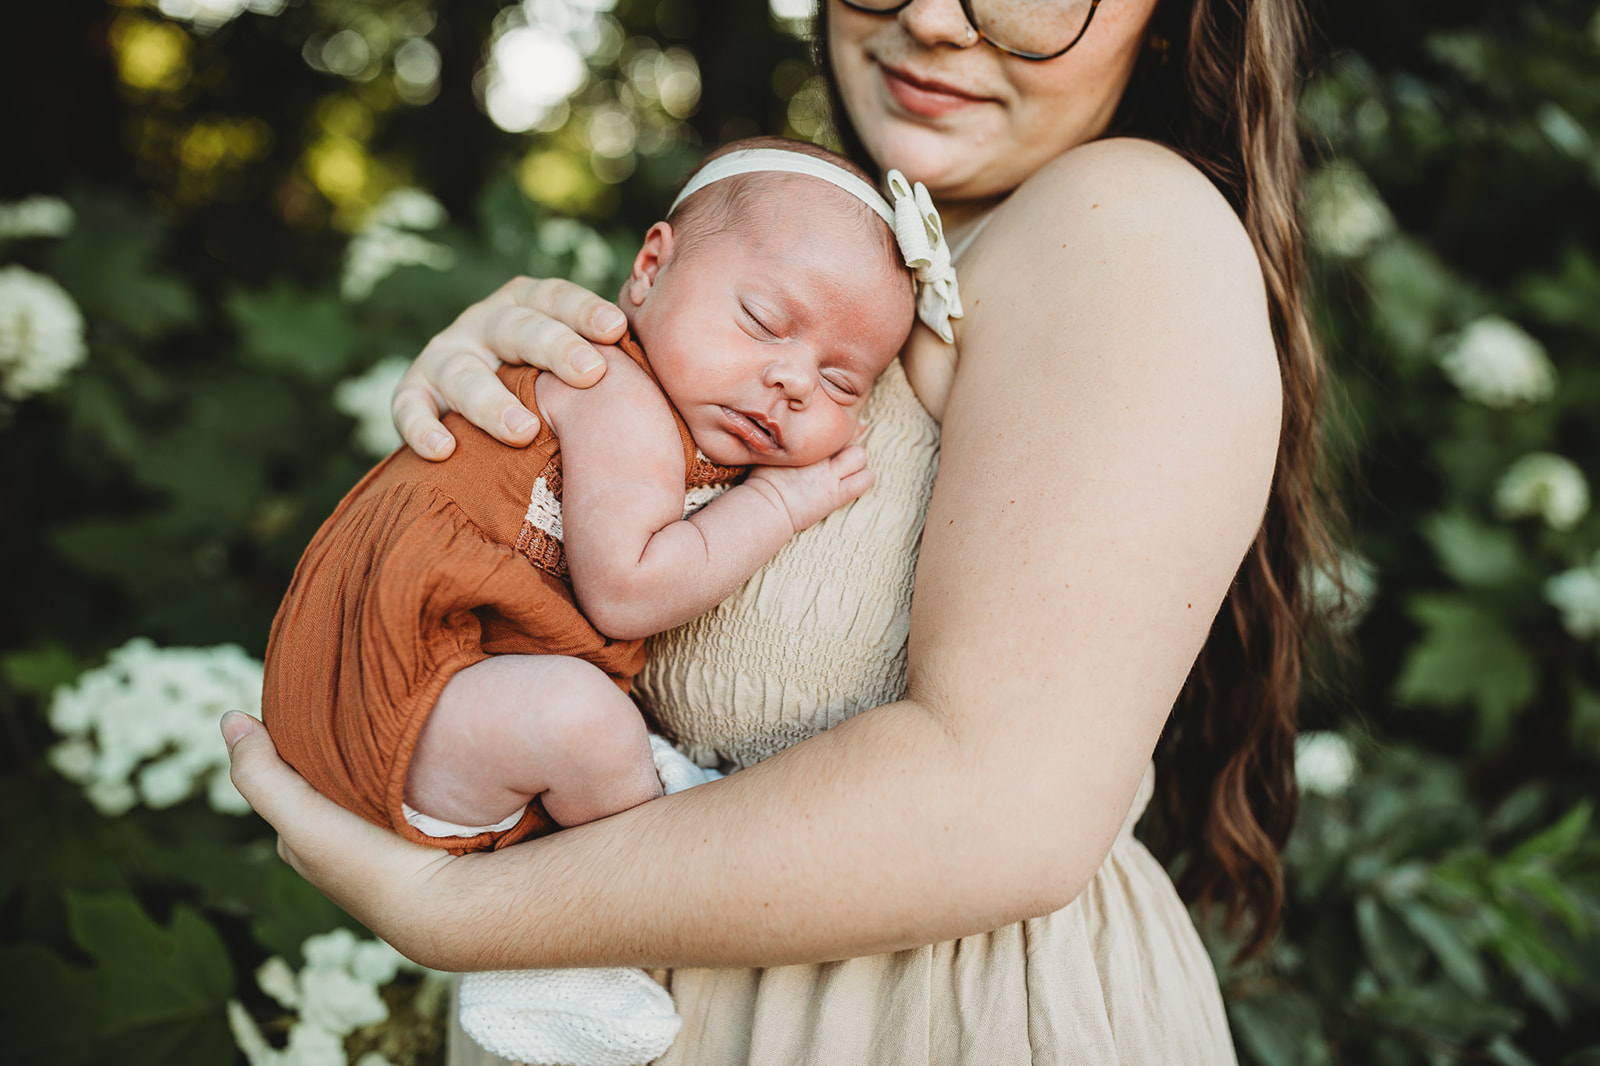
x: 968, y: 120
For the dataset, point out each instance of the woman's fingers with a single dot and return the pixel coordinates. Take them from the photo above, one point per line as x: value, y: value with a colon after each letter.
x: 372, y: 873
x: 415, y: 409
x: 546, y: 323
x: 572, y: 305
x: 269, y: 784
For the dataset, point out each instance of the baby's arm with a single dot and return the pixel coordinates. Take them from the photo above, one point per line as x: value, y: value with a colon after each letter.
x: 638, y: 567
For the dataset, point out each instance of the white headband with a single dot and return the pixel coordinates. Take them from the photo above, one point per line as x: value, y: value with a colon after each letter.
x: 913, y: 218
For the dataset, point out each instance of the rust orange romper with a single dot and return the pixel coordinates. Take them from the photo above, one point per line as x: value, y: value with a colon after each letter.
x: 424, y: 569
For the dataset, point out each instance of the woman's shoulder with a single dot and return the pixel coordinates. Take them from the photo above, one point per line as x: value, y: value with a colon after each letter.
x: 1121, y: 248
x: 1126, y: 196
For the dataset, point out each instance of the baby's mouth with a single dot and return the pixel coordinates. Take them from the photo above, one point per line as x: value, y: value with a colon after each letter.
x: 756, y: 429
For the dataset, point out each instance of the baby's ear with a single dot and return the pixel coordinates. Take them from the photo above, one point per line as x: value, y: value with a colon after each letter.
x: 653, y: 255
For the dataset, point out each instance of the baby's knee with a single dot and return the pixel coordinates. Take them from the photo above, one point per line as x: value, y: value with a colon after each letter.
x: 586, y: 717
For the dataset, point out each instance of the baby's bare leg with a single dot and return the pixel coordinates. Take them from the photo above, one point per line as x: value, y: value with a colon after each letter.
x: 518, y: 726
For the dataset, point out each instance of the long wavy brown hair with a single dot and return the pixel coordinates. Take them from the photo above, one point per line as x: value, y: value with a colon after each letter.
x: 1219, y: 84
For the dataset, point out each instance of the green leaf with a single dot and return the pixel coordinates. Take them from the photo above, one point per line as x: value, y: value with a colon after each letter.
x: 1585, y: 726
x: 1475, y: 554
x: 109, y: 264
x: 1466, y: 657
x: 286, y: 329
x: 297, y: 911
x: 1390, y: 948
x: 1280, y: 1030
x: 1503, y: 1051
x: 1558, y: 841
x: 153, y: 996
x: 1455, y: 952
x: 41, y: 671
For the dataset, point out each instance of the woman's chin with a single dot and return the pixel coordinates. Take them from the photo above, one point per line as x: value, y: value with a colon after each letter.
x: 941, y: 161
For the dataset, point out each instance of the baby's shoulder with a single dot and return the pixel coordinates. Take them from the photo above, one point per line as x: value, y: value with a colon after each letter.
x: 624, y: 388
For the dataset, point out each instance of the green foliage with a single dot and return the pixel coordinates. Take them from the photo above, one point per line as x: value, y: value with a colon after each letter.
x: 153, y: 994
x: 1443, y: 905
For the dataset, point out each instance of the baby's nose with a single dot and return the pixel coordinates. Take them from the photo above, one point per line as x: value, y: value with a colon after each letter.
x: 794, y: 379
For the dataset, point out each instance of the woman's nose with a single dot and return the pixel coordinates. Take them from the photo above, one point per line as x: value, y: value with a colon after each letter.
x: 934, y: 22
x: 794, y: 379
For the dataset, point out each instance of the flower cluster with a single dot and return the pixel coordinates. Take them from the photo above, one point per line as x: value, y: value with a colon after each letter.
x: 1324, y: 763
x: 1345, y: 216
x: 1495, y: 363
x: 1576, y: 594
x: 143, y: 727
x: 36, y: 216
x: 41, y: 333
x: 387, y: 241
x: 1543, y: 484
x: 366, y: 399
x: 335, y: 994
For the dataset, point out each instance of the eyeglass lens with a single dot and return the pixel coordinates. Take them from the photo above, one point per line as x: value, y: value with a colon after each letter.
x: 1033, y: 27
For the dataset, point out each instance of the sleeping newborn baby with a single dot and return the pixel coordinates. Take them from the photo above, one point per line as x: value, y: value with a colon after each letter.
x: 452, y: 658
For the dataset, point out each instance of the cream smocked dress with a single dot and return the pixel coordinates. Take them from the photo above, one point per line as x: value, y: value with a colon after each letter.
x: 819, y: 634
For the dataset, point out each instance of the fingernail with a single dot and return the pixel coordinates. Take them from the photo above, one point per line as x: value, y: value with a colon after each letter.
x: 436, y: 441
x: 235, y: 724
x: 518, y: 420
x: 607, y: 319
x: 585, y: 360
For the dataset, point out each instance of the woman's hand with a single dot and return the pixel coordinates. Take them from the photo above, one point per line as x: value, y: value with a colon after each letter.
x: 548, y: 323
x: 387, y: 882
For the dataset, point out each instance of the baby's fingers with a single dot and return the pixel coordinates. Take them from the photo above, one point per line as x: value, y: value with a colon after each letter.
x: 855, y: 485
x: 848, y: 460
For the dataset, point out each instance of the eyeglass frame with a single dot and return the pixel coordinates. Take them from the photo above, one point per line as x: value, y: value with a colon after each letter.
x: 972, y: 24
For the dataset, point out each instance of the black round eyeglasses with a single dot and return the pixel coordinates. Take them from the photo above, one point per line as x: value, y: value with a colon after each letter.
x: 1027, y: 29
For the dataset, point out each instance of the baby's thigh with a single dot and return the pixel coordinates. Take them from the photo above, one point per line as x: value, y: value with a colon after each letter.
x: 516, y: 726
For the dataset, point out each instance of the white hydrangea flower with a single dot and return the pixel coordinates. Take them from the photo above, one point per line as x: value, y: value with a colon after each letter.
x: 384, y: 242
x: 408, y: 209
x: 1360, y: 579
x: 366, y: 399
x: 1324, y: 763
x: 144, y: 725
x: 41, y: 333
x: 36, y: 216
x: 1576, y: 594
x: 1345, y: 216
x: 1543, y: 484
x: 1496, y: 363
x: 336, y: 993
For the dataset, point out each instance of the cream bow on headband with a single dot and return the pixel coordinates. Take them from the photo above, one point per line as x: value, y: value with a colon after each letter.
x: 913, y: 218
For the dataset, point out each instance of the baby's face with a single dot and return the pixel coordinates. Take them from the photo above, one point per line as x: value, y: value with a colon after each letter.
x: 767, y: 338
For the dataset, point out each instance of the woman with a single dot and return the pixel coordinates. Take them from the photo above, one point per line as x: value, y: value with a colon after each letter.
x: 1130, y: 416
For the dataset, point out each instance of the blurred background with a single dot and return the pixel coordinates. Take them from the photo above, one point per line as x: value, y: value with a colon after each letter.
x: 226, y: 224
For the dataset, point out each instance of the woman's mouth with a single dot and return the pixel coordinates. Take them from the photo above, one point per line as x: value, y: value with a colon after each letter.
x: 755, y: 429
x: 925, y: 98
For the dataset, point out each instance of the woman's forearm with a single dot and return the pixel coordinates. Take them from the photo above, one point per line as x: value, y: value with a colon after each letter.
x: 872, y: 837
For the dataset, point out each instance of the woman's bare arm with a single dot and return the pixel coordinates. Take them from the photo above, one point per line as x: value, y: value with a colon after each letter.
x: 548, y: 323
x: 1108, y: 447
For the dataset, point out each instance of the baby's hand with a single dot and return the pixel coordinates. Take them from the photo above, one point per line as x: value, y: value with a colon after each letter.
x: 811, y: 493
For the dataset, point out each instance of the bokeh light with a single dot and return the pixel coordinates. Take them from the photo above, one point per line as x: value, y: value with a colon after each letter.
x: 207, y: 15
x: 531, y: 72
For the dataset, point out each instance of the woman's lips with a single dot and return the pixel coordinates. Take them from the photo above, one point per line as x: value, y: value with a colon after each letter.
x: 929, y: 99
x: 755, y: 430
